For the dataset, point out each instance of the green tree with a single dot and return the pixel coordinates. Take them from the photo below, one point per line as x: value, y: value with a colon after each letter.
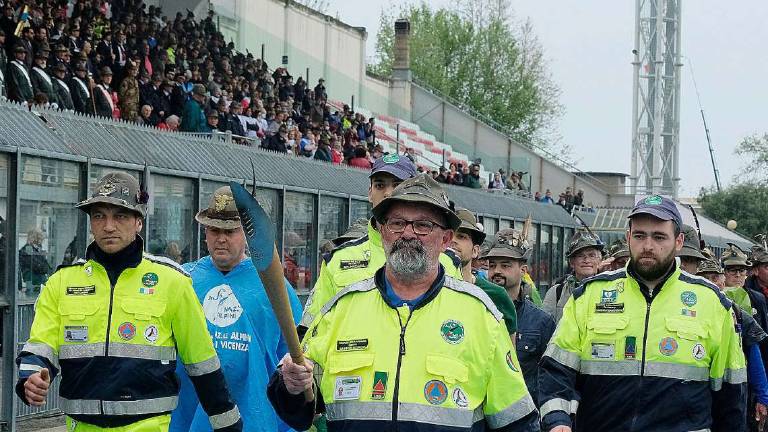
x: 755, y: 147
x: 746, y: 203
x: 474, y: 54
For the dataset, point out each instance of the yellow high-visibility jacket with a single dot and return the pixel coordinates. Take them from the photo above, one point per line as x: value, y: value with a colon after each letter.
x: 354, y: 261
x: 447, y: 361
x: 116, y: 345
x: 632, y: 360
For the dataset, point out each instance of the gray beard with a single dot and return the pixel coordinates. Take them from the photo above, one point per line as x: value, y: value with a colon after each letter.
x: 408, y: 260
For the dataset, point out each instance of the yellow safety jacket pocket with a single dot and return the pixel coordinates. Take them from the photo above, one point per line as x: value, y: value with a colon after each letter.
x: 77, y: 310
x: 606, y: 324
x: 143, y: 310
x: 686, y: 329
x: 348, y: 362
x: 450, y: 369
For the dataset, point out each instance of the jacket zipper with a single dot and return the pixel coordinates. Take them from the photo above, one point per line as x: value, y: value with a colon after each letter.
x: 642, y: 362
x: 109, y: 325
x: 401, y: 353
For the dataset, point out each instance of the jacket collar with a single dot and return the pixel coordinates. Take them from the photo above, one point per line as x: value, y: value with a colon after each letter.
x: 131, y: 256
x: 374, y: 236
x: 431, y: 293
x: 673, y: 271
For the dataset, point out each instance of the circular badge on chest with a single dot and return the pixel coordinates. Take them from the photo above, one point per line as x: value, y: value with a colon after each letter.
x: 221, y: 306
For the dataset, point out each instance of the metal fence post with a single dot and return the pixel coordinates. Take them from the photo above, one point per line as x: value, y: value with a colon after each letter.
x: 397, y: 138
x: 10, y: 317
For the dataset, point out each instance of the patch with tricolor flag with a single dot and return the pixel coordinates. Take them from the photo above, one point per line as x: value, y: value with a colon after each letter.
x: 379, y: 385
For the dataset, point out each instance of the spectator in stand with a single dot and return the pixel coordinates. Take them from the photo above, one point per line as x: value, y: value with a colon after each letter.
x: 61, y: 56
x: 60, y: 88
x: 562, y: 202
x: 514, y: 183
x: 578, y: 199
x: 26, y: 43
x: 360, y: 159
x: 19, y: 82
x: 249, y: 124
x: 162, y: 101
x: 150, y: 92
x: 537, y: 196
x: 231, y: 121
x: 80, y: 88
x: 472, y: 177
x: 547, y: 199
x: 193, y: 119
x: 171, y: 123
x: 337, y: 152
x: 129, y: 93
x: 41, y: 81
x: 323, y: 151
x: 320, y: 93
x: 3, y: 64
x: 442, y: 175
x: 370, y: 132
x: 146, y: 116
x: 211, y: 121
x: 376, y: 153
x: 181, y: 93
x: 454, y: 176
x: 105, y: 105
x: 307, y: 145
x: 261, y: 121
x: 497, y: 182
x: 294, y: 139
x: 568, y: 199
x: 278, y: 142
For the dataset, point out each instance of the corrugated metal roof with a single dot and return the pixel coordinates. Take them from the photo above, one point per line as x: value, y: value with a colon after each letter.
x: 99, y: 138
x: 615, y: 219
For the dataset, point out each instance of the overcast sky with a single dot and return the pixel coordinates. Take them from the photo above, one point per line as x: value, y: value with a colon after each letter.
x: 588, y: 45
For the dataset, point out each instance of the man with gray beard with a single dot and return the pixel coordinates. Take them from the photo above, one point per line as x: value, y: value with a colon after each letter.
x: 439, y: 356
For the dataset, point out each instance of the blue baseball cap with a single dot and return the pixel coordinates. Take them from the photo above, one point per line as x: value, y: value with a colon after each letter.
x: 659, y: 207
x: 399, y: 166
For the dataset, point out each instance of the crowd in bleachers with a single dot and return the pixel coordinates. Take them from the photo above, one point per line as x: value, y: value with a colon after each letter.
x: 121, y: 59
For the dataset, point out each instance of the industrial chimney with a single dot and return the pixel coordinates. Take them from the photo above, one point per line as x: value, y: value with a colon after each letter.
x: 401, y: 68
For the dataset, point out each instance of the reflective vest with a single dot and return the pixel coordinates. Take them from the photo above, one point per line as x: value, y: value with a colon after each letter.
x: 671, y: 362
x: 116, y: 345
x: 449, y: 362
x: 354, y: 261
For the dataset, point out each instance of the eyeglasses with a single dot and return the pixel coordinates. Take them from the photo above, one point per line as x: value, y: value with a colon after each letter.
x: 420, y: 227
x: 587, y: 256
x: 735, y: 270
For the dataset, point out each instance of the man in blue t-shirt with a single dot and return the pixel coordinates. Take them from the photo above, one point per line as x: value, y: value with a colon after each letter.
x: 240, y: 319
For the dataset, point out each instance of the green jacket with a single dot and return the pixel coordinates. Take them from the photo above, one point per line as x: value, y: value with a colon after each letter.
x: 193, y: 117
x: 501, y: 299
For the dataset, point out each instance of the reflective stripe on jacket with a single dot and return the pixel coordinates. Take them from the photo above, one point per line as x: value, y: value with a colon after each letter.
x: 116, y: 345
x: 448, y: 364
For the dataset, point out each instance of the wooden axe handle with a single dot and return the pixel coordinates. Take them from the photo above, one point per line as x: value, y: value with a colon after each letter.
x: 274, y: 285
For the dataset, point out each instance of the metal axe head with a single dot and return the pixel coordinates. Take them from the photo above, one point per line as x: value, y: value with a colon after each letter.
x: 258, y: 228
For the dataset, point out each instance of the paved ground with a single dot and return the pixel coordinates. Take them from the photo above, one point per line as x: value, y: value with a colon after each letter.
x: 47, y: 424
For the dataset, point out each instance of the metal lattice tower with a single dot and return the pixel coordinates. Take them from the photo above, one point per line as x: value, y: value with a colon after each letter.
x: 656, y: 98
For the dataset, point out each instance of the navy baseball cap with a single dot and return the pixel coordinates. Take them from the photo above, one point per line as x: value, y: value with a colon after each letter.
x: 659, y: 207
x: 399, y: 166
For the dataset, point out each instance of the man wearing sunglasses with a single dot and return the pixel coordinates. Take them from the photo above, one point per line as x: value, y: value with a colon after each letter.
x: 439, y: 356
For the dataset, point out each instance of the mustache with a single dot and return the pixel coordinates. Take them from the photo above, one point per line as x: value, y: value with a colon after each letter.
x: 413, y: 244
